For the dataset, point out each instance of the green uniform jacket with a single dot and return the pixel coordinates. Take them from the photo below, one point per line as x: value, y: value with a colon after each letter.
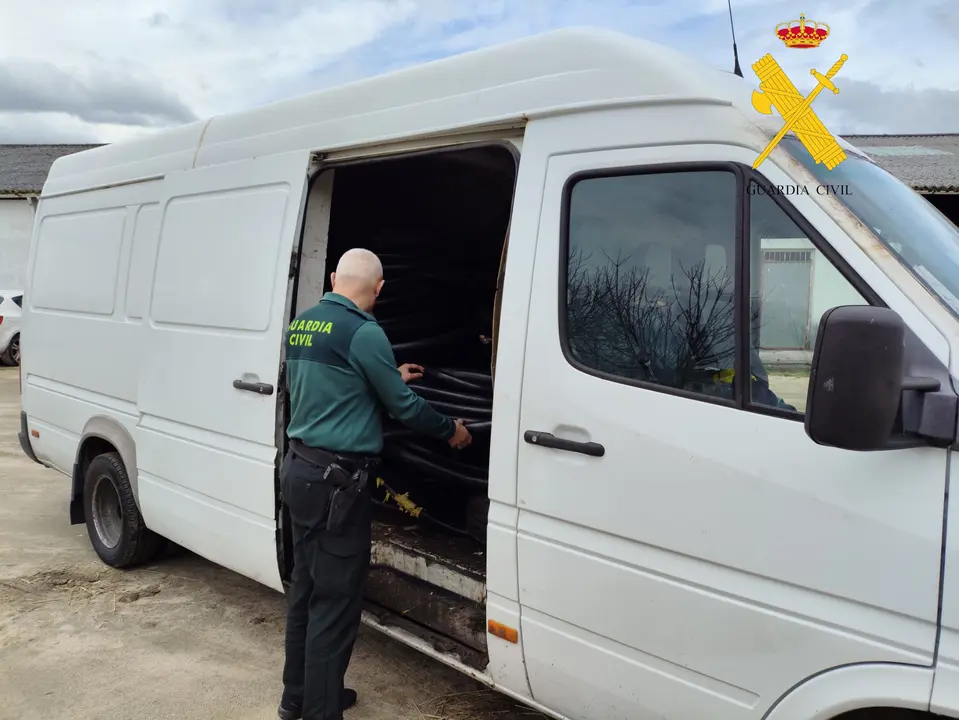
x: 342, y: 374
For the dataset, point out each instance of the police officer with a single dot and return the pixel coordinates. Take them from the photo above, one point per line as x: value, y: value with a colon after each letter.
x: 342, y: 375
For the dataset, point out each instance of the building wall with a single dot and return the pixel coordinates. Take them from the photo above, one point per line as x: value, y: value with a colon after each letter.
x: 827, y: 287
x: 791, y: 314
x: 16, y: 228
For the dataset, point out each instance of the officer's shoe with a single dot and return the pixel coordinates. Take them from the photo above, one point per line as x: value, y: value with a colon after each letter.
x: 285, y: 713
x: 347, y: 700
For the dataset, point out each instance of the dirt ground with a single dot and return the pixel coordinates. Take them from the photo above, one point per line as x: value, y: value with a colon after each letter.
x: 180, y: 639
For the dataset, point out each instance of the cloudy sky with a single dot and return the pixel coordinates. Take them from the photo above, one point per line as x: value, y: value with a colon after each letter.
x: 106, y: 70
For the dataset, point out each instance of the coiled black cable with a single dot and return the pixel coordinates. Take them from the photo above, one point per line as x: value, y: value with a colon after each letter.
x: 438, y: 228
x: 436, y: 309
x: 464, y: 395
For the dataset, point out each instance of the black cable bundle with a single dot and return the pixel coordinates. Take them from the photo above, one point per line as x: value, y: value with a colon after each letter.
x: 449, y: 485
x: 438, y: 223
x: 437, y: 305
x: 461, y: 394
x: 436, y: 309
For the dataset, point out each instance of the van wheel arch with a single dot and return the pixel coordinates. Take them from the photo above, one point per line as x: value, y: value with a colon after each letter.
x: 101, y: 435
x: 887, y: 713
x: 867, y: 691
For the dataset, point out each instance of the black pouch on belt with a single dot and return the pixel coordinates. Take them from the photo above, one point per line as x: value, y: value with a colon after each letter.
x: 347, y: 489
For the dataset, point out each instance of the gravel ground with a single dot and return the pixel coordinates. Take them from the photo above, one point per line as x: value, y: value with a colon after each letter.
x: 180, y: 639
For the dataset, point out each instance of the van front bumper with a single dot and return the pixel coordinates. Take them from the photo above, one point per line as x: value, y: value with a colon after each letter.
x: 24, y: 437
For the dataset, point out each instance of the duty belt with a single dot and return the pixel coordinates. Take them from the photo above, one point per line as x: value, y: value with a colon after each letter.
x: 351, y: 462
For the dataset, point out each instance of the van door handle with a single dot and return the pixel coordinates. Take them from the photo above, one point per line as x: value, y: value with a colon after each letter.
x: 254, y: 387
x: 545, y: 439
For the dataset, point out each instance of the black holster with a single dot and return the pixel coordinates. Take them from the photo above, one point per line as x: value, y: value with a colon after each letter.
x: 347, y: 490
x: 348, y: 476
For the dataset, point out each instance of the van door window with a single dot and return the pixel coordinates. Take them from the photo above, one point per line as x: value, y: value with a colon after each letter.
x: 792, y: 283
x: 651, y: 273
x: 653, y: 290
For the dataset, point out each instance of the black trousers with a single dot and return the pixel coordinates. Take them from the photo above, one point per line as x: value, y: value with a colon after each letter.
x: 325, y: 597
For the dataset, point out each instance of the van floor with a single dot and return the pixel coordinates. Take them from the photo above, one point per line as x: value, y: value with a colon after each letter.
x: 459, y: 554
x: 428, y: 578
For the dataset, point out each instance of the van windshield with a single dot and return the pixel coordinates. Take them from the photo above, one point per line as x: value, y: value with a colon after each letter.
x: 916, y: 232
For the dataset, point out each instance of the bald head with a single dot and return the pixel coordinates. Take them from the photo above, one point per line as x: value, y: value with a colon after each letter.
x: 359, y: 277
x: 359, y: 266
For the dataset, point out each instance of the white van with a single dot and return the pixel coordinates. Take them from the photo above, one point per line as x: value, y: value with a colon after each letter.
x: 661, y: 540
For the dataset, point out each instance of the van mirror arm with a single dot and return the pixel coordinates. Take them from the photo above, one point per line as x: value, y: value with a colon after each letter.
x: 928, y: 414
x: 921, y: 384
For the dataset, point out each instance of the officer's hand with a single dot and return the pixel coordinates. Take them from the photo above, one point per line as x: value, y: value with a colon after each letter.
x: 409, y: 371
x: 461, y: 438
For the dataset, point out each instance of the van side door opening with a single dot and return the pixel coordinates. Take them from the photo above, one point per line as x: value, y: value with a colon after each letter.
x: 438, y: 221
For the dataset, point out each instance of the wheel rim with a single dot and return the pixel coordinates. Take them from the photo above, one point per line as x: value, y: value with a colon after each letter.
x: 107, y: 516
x: 16, y: 349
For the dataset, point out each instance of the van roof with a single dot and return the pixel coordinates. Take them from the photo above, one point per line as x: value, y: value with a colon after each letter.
x: 548, y: 73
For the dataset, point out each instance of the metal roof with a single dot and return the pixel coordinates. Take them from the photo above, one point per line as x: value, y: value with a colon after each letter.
x: 24, y: 168
x: 927, y: 163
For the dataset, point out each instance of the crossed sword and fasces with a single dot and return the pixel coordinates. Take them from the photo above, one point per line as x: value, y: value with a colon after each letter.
x: 764, y: 104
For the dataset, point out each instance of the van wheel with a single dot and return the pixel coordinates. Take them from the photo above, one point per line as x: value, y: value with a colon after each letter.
x: 114, y: 523
x: 11, y: 355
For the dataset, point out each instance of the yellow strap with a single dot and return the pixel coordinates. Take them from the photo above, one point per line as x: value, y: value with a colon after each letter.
x: 724, y: 376
x: 727, y: 376
x: 406, y: 505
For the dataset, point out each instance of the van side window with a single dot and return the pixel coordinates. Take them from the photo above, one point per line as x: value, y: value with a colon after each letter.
x: 792, y: 284
x: 650, y: 278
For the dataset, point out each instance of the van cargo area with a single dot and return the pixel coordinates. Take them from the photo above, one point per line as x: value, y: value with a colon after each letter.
x: 438, y: 221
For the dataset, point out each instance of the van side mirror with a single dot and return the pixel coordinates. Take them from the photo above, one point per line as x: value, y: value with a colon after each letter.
x: 856, y: 379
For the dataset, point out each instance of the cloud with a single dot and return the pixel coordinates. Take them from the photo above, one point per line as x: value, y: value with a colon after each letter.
x: 39, y: 128
x: 106, y: 95
x: 116, y: 68
x: 158, y: 20
x: 864, y: 108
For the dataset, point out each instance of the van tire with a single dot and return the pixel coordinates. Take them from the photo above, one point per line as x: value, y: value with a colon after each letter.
x: 113, y: 519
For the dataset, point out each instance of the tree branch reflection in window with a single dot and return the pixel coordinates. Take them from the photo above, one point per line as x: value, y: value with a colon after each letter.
x: 650, y: 293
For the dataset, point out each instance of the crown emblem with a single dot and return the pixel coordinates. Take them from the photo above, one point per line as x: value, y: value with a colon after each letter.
x: 802, y: 34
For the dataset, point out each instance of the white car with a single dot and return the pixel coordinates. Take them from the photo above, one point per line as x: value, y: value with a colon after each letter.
x: 10, y: 303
